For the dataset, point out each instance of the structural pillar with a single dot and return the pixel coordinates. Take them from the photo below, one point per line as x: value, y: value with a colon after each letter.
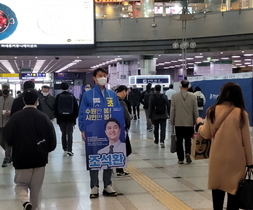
x: 147, y: 65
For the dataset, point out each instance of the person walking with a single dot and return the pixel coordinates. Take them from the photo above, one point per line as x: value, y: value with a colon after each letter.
x: 18, y: 103
x: 122, y: 92
x: 169, y: 93
x: 66, y: 112
x: 144, y: 100
x: 47, y: 101
x: 227, y: 123
x: 134, y: 97
x: 158, y: 114
x: 32, y: 139
x: 98, y: 96
x: 6, y: 101
x: 201, y: 99
x: 183, y: 114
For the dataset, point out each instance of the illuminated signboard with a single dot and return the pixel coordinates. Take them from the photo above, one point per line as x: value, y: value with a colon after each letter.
x: 4, y: 76
x: 34, y: 23
x: 145, y: 79
x: 33, y: 75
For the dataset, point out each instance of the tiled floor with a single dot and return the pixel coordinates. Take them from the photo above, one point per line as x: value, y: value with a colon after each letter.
x: 66, y: 184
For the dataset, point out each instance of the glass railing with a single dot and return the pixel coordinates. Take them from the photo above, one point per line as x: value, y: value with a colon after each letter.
x: 148, y: 8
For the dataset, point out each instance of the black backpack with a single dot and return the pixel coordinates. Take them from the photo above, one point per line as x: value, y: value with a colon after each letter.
x: 159, y: 104
x: 65, y: 104
x: 200, y: 101
x: 146, y: 99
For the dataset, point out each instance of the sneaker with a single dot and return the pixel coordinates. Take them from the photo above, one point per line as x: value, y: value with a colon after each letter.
x: 162, y: 145
x: 4, y: 164
x: 70, y: 153
x: 188, y: 159
x: 180, y: 162
x: 109, y: 191
x: 123, y: 174
x: 94, y: 192
x: 65, y: 153
x: 27, y: 206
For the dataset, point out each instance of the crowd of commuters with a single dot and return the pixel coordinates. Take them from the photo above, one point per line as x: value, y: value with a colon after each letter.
x: 226, y: 123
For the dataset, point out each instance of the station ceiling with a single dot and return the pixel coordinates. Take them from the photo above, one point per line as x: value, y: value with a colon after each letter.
x: 51, y: 64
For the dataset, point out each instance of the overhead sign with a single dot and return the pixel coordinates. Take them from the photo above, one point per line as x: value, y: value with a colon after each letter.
x: 33, y: 75
x: 8, y: 76
x: 145, y: 79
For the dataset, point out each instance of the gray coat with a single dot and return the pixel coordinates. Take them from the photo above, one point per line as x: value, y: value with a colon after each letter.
x: 151, y: 111
x: 5, y: 104
x: 48, y: 105
x: 184, y: 109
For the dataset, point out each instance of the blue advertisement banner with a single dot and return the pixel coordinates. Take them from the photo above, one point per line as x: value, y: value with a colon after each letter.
x: 105, y: 138
x: 211, y: 90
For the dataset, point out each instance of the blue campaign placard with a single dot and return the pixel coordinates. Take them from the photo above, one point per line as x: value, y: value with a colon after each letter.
x: 105, y: 138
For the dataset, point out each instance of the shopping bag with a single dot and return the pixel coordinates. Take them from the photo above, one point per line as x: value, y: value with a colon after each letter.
x: 200, y: 147
x: 173, y: 141
x: 245, y: 191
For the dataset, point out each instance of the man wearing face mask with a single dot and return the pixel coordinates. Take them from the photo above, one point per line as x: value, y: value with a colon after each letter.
x: 98, y: 96
x: 47, y: 101
x: 6, y: 101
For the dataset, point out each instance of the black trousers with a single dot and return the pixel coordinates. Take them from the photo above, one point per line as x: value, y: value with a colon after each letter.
x: 159, y: 124
x: 183, y: 133
x: 136, y: 108
x: 218, y: 200
x: 67, y: 135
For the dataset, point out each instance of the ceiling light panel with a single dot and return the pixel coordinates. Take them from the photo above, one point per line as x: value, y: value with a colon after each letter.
x: 38, y: 65
x: 7, y: 65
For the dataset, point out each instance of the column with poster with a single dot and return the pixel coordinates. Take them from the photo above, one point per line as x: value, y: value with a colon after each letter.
x: 105, y: 138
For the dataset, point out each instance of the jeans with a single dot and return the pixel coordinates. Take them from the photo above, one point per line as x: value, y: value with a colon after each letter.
x: 67, y: 135
x: 218, y: 200
x: 138, y: 112
x: 94, y: 181
x: 183, y: 133
x: 162, y: 124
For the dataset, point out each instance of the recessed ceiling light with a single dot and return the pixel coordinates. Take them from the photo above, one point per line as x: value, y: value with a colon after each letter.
x: 247, y: 63
x: 250, y: 65
x: 198, y: 62
x: 177, y: 65
x: 234, y: 67
x: 166, y: 62
x: 161, y: 64
x: 215, y: 59
x: 181, y: 59
x: 242, y: 66
x: 190, y: 63
x: 226, y: 58
x: 180, y: 54
x: 238, y: 64
x: 36, y: 57
x: 166, y: 67
x: 221, y: 52
x: 159, y: 55
x: 199, y: 56
x: 236, y: 56
x: 174, y: 61
x: 189, y: 58
x: 242, y: 51
x: 248, y: 59
x: 236, y: 61
x: 205, y: 61
x: 118, y: 56
x: 172, y: 66
x: 248, y: 54
x: 200, y: 53
x: 190, y: 67
x: 98, y: 57
x: 15, y: 57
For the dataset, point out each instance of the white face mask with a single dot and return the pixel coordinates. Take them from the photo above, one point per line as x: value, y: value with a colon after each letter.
x: 102, y: 81
x: 86, y: 89
x: 45, y: 93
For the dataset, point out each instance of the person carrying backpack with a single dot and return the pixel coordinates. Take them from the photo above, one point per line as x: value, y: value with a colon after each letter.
x: 201, y: 99
x: 158, y: 114
x: 66, y: 112
x: 144, y: 100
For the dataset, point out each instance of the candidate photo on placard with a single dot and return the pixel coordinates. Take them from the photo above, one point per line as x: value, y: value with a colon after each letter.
x: 105, y: 142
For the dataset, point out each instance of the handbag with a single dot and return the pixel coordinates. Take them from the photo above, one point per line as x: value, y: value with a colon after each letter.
x: 173, y: 141
x: 200, y: 148
x: 245, y: 191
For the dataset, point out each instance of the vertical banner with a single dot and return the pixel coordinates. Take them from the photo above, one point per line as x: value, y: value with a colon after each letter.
x: 105, y: 138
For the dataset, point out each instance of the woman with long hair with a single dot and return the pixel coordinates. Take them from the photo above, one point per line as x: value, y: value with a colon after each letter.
x: 228, y: 125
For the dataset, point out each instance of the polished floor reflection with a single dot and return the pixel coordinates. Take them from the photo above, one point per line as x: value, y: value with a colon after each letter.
x: 156, y: 181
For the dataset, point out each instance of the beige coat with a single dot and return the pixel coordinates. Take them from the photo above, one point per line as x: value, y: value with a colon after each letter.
x: 230, y: 149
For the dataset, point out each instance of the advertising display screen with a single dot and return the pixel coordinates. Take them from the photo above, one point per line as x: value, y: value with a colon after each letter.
x: 36, y: 23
